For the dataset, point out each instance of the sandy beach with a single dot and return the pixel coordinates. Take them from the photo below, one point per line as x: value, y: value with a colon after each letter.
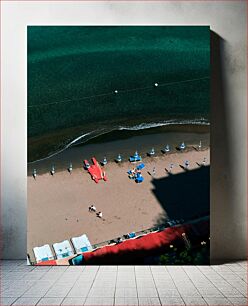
x: 58, y: 205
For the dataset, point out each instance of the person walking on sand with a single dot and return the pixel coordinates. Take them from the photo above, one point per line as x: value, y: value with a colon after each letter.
x: 154, y: 171
x: 92, y: 208
x: 204, y: 161
x: 99, y: 214
x: 171, y: 166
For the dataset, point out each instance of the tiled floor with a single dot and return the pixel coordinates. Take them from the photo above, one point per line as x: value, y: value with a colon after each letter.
x: 123, y: 285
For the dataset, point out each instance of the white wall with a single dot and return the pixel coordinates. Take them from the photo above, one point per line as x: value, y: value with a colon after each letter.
x: 229, y: 97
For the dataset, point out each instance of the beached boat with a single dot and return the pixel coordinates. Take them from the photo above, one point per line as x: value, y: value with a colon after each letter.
x: 95, y: 170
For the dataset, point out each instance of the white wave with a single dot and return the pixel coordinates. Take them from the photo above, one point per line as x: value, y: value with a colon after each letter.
x: 143, y: 126
x: 63, y: 149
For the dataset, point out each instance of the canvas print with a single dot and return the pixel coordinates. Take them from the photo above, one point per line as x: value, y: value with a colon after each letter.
x: 118, y: 145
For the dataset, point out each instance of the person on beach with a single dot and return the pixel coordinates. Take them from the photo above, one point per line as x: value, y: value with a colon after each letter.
x: 154, y: 171
x: 186, y: 163
x: 204, y: 161
x: 99, y: 215
x: 92, y: 208
x: 171, y: 166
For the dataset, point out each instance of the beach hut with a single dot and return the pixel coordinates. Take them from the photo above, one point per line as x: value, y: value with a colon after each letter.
x: 63, y: 249
x: 43, y: 253
x: 81, y: 244
x: 152, y: 152
x: 182, y: 146
x: 34, y: 173
x: 119, y: 158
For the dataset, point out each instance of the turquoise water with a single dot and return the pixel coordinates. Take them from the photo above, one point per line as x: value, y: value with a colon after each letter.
x: 73, y: 72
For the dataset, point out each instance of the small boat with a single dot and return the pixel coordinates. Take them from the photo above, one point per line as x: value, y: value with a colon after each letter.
x: 152, y: 152
x: 182, y: 146
x: 136, y: 157
x: 118, y: 159
x: 166, y: 149
x: 116, y: 92
x: 104, y: 162
x: 155, y: 84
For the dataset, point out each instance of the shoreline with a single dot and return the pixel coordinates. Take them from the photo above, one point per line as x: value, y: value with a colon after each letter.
x: 126, y: 144
x: 126, y: 206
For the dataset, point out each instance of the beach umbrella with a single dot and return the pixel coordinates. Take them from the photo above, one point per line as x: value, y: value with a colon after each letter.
x: 119, y: 159
x: 34, y: 173
x: 152, y: 152
x: 53, y: 170
x: 182, y: 146
x: 167, y: 148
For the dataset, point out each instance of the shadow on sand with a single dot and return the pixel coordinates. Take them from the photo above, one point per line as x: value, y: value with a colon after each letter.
x: 184, y: 195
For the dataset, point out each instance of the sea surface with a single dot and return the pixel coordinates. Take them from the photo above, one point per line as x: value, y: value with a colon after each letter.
x: 74, y: 71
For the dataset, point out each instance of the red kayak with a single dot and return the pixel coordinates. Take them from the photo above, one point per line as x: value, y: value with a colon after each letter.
x: 95, y: 170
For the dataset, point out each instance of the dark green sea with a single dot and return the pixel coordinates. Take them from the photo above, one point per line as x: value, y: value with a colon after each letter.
x: 73, y: 72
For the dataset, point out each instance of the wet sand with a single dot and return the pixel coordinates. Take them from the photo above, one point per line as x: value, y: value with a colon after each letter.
x: 58, y: 205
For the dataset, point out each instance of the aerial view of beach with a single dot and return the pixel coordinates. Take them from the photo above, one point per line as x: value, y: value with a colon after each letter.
x: 118, y: 145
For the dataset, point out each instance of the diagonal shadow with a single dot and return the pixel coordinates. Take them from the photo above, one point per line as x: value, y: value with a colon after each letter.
x: 184, y: 195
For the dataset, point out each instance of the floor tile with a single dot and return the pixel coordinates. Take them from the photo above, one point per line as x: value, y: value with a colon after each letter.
x: 149, y: 301
x: 239, y: 301
x: 27, y: 301
x: 99, y: 301
x: 50, y: 301
x: 73, y: 301
x: 166, y: 301
x: 217, y: 301
x: 122, y: 301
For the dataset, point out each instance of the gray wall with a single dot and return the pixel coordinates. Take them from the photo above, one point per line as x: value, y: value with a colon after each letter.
x: 229, y: 96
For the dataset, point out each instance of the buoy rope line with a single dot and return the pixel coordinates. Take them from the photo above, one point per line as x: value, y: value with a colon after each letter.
x: 120, y: 92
